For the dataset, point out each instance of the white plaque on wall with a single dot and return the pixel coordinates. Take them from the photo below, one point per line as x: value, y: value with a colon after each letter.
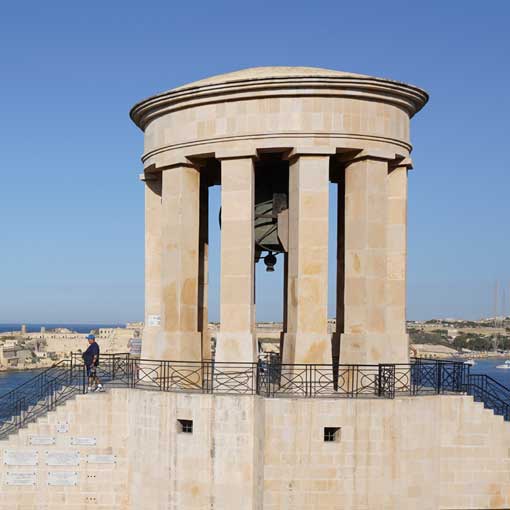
x: 153, y: 320
x: 101, y: 459
x: 20, y: 458
x: 62, y: 458
x: 42, y: 440
x: 62, y: 427
x: 83, y: 441
x: 62, y: 478
x: 19, y: 478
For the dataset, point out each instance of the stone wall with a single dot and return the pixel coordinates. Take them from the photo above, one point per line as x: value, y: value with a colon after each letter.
x: 254, y: 453
x: 110, y: 341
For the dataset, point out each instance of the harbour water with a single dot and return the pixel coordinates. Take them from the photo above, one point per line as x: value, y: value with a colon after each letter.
x: 12, y: 378
x: 488, y: 366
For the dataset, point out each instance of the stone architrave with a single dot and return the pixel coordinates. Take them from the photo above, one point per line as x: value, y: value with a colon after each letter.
x: 179, y: 337
x: 236, y: 340
x: 307, y: 339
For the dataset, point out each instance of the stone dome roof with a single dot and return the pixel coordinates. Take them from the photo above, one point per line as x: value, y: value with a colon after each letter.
x: 260, y: 81
x: 268, y: 72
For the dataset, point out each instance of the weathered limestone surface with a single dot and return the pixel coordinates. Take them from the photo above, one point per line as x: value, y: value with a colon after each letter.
x: 203, y: 271
x: 365, y: 339
x: 396, y: 238
x: 307, y: 339
x: 426, y: 453
x: 236, y: 341
x: 153, y: 220
x: 179, y: 338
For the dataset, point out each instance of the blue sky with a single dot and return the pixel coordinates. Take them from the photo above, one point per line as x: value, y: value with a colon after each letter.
x: 71, y: 204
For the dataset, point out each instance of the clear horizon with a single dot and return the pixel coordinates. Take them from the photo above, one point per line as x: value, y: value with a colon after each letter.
x: 72, y: 205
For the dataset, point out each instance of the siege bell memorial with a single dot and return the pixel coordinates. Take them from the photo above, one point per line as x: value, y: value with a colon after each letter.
x: 274, y: 138
x: 346, y: 420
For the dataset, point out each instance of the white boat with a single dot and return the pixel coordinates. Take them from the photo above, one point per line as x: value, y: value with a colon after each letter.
x: 470, y: 362
x: 505, y: 365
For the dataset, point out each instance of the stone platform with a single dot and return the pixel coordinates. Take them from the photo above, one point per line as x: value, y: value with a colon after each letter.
x: 250, y: 452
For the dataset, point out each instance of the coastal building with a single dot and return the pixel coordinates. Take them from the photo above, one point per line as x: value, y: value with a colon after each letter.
x: 8, y: 356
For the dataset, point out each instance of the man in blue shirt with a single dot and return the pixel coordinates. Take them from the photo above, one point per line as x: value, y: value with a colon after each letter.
x: 91, y: 359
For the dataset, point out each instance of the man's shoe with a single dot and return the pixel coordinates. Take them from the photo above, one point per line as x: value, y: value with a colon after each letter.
x: 90, y: 388
x: 99, y: 388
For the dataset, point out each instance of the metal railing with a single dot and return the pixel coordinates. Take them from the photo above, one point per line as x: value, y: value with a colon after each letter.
x: 493, y: 394
x: 67, y: 378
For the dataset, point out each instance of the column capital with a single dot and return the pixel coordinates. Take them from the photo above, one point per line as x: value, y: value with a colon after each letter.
x: 180, y: 164
x: 402, y: 163
x: 145, y: 177
x: 311, y: 151
x: 241, y: 153
x: 371, y: 154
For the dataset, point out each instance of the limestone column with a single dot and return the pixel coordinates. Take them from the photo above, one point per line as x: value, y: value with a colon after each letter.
x: 153, y: 215
x: 203, y: 271
x: 396, y: 231
x: 307, y: 339
x: 236, y: 340
x: 340, y: 270
x: 180, y: 338
x: 364, y: 340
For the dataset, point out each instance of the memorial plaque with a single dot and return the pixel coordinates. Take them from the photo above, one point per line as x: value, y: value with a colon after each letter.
x: 83, y: 441
x: 62, y: 427
x: 101, y: 459
x: 17, y: 458
x: 63, y: 458
x: 20, y: 478
x: 42, y: 440
x: 63, y: 478
x: 153, y: 320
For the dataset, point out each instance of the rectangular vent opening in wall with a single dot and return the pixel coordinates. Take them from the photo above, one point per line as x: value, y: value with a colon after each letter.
x: 185, y: 426
x: 331, y: 434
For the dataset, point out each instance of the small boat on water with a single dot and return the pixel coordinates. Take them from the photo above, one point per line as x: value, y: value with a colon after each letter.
x: 470, y: 362
x: 505, y: 365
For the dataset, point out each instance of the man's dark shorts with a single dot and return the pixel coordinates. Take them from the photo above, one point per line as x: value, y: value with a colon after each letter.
x: 91, y: 370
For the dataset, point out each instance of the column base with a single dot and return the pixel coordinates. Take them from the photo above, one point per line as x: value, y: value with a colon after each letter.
x: 180, y: 346
x: 374, y: 348
x: 299, y: 348
x: 236, y: 347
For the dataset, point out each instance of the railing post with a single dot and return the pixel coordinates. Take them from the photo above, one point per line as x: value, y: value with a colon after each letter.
x: 207, y: 376
x: 439, y: 377
x: 257, y: 378
x: 386, y: 380
x: 132, y: 369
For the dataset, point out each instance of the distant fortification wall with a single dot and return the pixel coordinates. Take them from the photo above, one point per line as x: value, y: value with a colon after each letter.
x: 126, y: 450
x: 110, y: 340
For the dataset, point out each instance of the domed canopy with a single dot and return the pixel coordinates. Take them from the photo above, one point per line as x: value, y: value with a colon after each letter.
x: 279, y: 81
x: 268, y: 72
